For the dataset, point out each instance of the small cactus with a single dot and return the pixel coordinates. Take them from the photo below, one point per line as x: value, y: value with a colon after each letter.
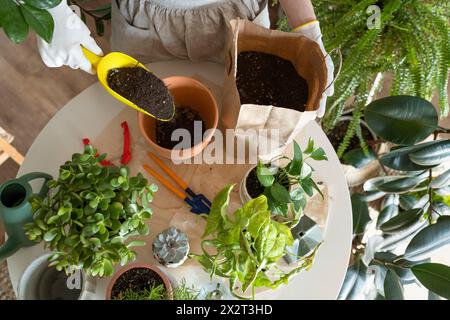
x: 171, y: 247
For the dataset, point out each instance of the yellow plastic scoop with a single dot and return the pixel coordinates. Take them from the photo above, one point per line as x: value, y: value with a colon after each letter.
x: 115, y: 60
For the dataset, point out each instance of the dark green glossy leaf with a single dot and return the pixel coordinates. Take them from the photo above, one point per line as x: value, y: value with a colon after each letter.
x: 319, y: 154
x: 435, y: 277
x: 386, y: 214
x: 400, y: 185
x: 280, y: 193
x: 398, y: 159
x: 402, y: 221
x: 13, y: 22
x: 100, y: 27
x: 358, y: 158
x: 442, y: 180
x: 407, y: 201
x: 370, y: 196
x: 432, y: 155
x: 428, y: 239
x: 360, y: 212
x: 349, y: 281
x: 393, y: 289
x: 43, y: 4
x: 403, y: 120
x: 297, y: 162
x: 40, y: 21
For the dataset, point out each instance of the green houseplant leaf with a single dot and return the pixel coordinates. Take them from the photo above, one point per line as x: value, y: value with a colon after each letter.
x: 43, y: 4
x: 361, y: 216
x: 39, y: 20
x: 435, y: 277
x: 393, y: 289
x: 400, y: 185
x: 13, y: 22
x: 399, y: 159
x: 358, y: 158
x: 428, y: 239
x: 403, y: 120
x: 442, y: 180
x: 297, y: 162
x: 402, y: 221
x: 433, y: 154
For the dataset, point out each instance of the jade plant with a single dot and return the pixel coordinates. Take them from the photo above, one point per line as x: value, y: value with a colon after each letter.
x: 409, y: 41
x: 245, y: 246
x: 89, y: 213
x: 412, y: 196
x: 287, y: 187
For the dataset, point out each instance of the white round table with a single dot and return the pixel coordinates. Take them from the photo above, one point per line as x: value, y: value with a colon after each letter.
x: 90, y: 112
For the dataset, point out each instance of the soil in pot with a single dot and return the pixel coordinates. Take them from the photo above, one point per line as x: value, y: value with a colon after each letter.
x: 254, y: 187
x: 135, y: 280
x: 337, y: 134
x: 142, y: 88
x: 184, y: 118
x: 266, y: 79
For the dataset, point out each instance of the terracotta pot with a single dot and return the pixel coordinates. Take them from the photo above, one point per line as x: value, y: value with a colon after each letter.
x: 186, y: 92
x: 121, y: 271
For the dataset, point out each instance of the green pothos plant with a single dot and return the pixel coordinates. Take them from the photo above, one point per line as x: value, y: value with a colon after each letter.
x: 408, y: 40
x: 18, y: 16
x: 90, y: 214
x: 413, y: 197
x: 288, y: 186
x: 245, y: 246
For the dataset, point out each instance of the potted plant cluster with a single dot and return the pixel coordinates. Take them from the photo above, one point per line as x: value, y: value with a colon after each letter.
x: 285, y: 185
x: 90, y: 214
x: 246, y: 246
x: 412, y: 195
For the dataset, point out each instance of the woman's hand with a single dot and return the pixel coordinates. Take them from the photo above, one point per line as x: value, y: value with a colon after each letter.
x: 70, y: 33
x: 301, y: 17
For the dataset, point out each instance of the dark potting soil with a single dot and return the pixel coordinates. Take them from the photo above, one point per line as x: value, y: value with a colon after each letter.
x: 136, y: 280
x: 254, y: 187
x: 184, y: 118
x: 337, y: 134
x: 266, y: 79
x: 144, y: 89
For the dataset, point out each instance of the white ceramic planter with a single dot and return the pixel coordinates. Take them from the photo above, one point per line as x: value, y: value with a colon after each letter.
x: 41, y: 282
x: 243, y: 193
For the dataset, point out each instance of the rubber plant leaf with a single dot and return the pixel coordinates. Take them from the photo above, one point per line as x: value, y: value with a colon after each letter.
x: 403, y: 120
x: 398, y: 159
x: 402, y: 221
x: 432, y: 155
x: 393, y: 289
x: 435, y: 277
x: 361, y: 216
x: 358, y: 158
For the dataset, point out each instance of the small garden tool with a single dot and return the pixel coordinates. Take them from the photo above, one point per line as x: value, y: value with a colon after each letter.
x: 111, y: 61
x: 15, y: 211
x: 198, y: 202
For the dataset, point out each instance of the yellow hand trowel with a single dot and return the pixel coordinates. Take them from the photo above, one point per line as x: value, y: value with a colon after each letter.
x: 116, y: 60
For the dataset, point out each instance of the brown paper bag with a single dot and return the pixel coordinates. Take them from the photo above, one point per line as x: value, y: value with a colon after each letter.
x: 308, y: 60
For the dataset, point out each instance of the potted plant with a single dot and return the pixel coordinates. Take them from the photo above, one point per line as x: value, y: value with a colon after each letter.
x: 412, y: 222
x: 246, y: 246
x: 171, y: 247
x: 89, y: 214
x: 409, y: 41
x: 358, y: 154
x: 285, y: 185
x: 196, y: 112
x: 139, y: 281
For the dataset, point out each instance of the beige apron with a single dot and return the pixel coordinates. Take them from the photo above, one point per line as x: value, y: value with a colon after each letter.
x: 157, y: 30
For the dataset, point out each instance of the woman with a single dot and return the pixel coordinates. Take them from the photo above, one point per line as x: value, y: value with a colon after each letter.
x: 154, y: 30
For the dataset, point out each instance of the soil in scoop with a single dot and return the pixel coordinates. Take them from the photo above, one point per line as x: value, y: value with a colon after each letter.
x: 184, y: 118
x: 254, y: 187
x: 337, y: 134
x: 266, y: 79
x: 144, y: 89
x: 136, y: 280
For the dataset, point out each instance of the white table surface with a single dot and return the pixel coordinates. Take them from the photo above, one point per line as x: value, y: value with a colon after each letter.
x: 90, y: 112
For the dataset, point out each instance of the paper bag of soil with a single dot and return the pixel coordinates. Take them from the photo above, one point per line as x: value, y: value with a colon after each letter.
x: 306, y: 58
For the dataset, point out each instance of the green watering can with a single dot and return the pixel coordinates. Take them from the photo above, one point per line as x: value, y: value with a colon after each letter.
x: 15, y: 210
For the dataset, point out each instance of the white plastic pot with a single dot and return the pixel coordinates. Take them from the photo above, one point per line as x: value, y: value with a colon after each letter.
x: 41, y: 282
x: 243, y: 193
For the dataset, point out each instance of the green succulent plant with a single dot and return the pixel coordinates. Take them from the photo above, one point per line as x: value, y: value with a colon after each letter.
x: 89, y: 213
x: 247, y: 244
x: 296, y: 173
x: 414, y: 211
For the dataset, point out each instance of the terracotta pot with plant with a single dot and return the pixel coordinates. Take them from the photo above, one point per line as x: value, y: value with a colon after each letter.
x: 139, y: 281
x: 196, y: 111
